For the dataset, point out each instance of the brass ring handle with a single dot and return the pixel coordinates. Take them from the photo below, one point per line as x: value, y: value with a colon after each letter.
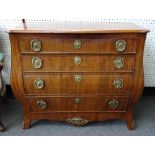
x: 38, y: 83
x: 35, y: 45
x: 42, y: 104
x: 77, y: 101
x: 36, y: 62
x: 77, y: 60
x: 113, y: 104
x: 119, y: 62
x: 78, y: 78
x: 118, y: 83
x: 120, y: 45
x: 77, y: 44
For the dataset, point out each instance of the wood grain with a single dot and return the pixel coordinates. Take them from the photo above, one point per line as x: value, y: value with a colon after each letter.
x: 89, y: 63
x: 86, y: 104
x: 65, y: 84
x: 89, y: 43
x: 79, y: 28
x: 98, y: 52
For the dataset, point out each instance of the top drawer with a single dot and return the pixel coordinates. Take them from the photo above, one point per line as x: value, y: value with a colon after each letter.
x: 40, y: 43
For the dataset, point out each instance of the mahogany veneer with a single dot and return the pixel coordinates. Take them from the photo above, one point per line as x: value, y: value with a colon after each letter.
x: 78, y: 75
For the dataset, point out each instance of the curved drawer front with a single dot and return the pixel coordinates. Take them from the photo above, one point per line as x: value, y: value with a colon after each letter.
x: 77, y: 43
x: 77, y: 63
x: 77, y: 84
x: 85, y: 104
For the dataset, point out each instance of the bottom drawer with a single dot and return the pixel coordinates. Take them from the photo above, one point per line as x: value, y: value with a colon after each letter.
x: 83, y: 104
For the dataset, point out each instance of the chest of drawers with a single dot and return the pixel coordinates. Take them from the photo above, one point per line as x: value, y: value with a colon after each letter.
x: 78, y: 75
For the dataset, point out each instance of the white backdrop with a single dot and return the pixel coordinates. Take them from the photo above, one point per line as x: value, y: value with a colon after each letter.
x: 149, y: 52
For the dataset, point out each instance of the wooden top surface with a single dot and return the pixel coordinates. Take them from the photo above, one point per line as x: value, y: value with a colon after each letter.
x: 79, y: 28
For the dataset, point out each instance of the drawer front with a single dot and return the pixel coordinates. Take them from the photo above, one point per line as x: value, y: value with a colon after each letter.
x: 77, y: 63
x: 106, y: 103
x: 77, y: 84
x: 59, y: 43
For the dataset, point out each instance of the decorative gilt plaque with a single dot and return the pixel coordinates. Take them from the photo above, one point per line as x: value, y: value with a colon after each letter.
x: 78, y: 121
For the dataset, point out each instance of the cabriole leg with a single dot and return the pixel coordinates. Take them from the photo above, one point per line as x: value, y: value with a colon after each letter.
x: 129, y: 120
x: 26, y: 123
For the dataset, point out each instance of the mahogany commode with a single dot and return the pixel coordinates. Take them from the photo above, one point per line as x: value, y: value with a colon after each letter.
x: 78, y: 75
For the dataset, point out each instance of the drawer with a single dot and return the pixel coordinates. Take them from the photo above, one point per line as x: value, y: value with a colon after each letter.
x: 77, y: 43
x: 77, y: 84
x: 106, y: 103
x: 77, y: 63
